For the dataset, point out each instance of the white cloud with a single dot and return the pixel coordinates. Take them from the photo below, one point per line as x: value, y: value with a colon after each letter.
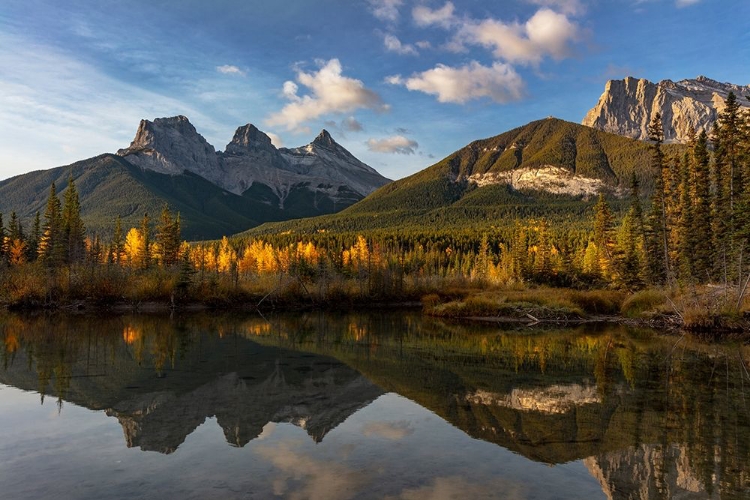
x: 546, y: 33
x: 498, y: 82
x: 685, y: 3
x: 229, y: 69
x: 393, y: 44
x: 330, y: 92
x: 425, y: 16
x: 571, y: 7
x: 423, y: 44
x: 397, y: 144
x: 394, y: 80
x: 275, y: 139
x: 385, y: 10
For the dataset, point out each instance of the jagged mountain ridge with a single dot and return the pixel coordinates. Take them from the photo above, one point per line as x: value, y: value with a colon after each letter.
x: 216, y: 193
x: 627, y: 106
x: 173, y: 145
x: 542, y: 169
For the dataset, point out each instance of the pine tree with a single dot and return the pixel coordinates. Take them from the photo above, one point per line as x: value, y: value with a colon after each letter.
x: 146, y: 234
x: 656, y: 242
x: 3, y: 249
x: 685, y: 229
x: 72, y: 225
x: 36, y: 232
x: 51, y: 248
x: 701, y: 200
x: 117, y: 242
x: 604, y: 237
x: 168, y: 237
x: 719, y: 208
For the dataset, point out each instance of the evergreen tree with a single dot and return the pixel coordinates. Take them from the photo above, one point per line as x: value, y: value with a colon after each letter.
x: 3, y: 249
x: 168, y: 237
x: 719, y: 208
x: 36, y: 230
x: 685, y: 229
x: 656, y: 242
x: 146, y: 235
x: 701, y: 204
x: 117, y: 242
x: 51, y: 248
x: 72, y: 225
x: 604, y: 237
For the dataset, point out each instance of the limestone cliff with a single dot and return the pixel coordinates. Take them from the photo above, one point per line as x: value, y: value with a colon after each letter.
x: 627, y: 106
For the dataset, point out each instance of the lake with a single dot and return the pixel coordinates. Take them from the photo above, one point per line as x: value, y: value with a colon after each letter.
x: 377, y: 405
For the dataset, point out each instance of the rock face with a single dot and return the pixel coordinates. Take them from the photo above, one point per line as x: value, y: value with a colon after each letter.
x: 323, y: 170
x: 627, y: 106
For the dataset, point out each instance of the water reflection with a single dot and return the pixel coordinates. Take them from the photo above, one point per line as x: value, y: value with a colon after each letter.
x: 649, y: 416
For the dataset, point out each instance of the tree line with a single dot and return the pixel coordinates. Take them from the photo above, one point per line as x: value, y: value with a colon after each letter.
x: 694, y: 229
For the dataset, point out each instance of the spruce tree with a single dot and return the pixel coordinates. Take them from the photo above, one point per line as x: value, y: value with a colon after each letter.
x: 685, y: 229
x: 168, y: 237
x: 656, y: 242
x: 117, y: 242
x: 701, y: 200
x: 146, y: 234
x: 36, y: 231
x: 72, y: 225
x: 51, y: 249
x: 3, y: 250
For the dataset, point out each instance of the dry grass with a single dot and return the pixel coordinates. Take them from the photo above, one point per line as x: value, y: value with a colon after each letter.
x: 644, y: 303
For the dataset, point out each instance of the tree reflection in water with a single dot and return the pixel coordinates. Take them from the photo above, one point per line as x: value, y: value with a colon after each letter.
x: 649, y: 416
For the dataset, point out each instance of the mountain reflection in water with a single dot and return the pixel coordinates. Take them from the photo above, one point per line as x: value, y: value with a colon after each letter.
x: 645, y: 416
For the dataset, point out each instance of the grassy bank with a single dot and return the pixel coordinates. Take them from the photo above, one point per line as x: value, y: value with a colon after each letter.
x: 708, y: 310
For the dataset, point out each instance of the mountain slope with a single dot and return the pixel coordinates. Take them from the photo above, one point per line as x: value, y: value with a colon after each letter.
x: 627, y: 106
x: 545, y: 168
x: 216, y: 193
x: 251, y: 161
x: 109, y: 186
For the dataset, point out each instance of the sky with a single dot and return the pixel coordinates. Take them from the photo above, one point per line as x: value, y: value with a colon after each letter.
x: 399, y: 83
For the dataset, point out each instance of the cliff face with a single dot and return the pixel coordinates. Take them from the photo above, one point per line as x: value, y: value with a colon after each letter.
x: 322, y: 169
x: 627, y: 106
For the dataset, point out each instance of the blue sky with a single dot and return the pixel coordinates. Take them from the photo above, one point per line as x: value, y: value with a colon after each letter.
x: 400, y: 83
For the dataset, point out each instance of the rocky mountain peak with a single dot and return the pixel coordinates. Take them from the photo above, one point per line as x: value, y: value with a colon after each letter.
x: 171, y: 145
x: 249, y: 138
x: 325, y: 140
x: 627, y: 106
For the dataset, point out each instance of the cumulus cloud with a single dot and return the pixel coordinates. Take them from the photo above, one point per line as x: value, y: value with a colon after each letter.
x: 397, y: 144
x: 385, y: 10
x: 498, y: 82
x: 425, y: 16
x: 229, y: 69
x: 329, y: 92
x: 546, y: 33
x: 393, y: 44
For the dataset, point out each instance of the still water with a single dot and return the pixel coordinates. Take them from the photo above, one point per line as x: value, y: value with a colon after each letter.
x: 365, y: 406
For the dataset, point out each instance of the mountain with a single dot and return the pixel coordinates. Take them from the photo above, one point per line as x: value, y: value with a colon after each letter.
x: 216, y: 193
x: 627, y: 106
x: 544, y: 168
x: 320, y: 177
